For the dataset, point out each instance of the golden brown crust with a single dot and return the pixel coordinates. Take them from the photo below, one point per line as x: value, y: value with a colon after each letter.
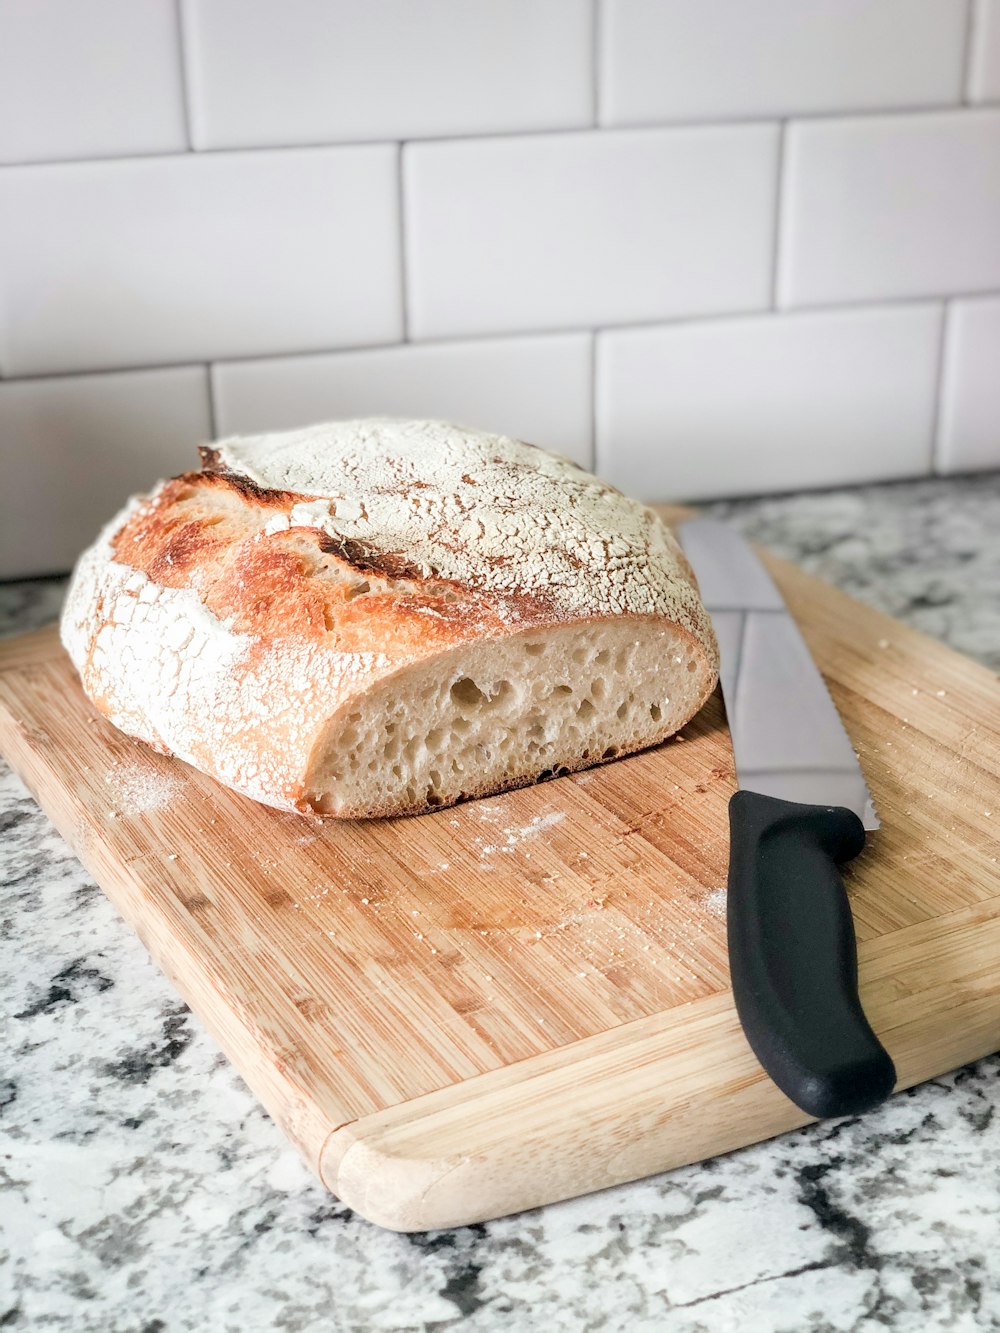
x: 208, y: 531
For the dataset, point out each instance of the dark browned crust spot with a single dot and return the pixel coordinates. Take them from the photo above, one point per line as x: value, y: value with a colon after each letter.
x: 260, y: 495
x: 366, y: 560
x: 214, y: 470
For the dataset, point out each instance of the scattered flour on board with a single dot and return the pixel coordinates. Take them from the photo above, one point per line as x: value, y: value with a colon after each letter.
x: 137, y: 788
x: 536, y: 825
x: 715, y: 902
x: 487, y: 814
x: 514, y: 836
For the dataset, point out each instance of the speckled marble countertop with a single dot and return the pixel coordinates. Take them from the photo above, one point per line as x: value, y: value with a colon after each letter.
x: 145, y: 1191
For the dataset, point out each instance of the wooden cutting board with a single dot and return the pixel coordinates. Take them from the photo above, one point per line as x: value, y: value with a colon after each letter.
x: 525, y: 998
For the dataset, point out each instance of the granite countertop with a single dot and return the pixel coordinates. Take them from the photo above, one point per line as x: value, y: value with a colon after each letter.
x: 145, y: 1191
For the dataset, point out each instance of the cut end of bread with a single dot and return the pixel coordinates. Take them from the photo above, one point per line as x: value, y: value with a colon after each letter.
x: 491, y: 716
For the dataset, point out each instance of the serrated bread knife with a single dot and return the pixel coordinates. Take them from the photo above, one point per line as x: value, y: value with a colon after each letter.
x: 802, y: 809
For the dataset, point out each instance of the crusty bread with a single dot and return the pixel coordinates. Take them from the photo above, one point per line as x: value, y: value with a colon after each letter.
x: 382, y: 617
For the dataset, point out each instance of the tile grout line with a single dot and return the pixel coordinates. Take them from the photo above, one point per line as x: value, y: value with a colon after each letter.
x: 779, y: 194
x: 959, y: 108
x: 182, y: 60
x: 971, y: 21
x: 939, y: 390
x: 596, y: 10
x: 404, y: 310
x: 213, y: 419
x: 593, y: 399
x: 513, y: 335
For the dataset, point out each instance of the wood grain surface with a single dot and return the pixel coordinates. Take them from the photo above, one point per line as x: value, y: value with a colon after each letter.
x: 525, y: 998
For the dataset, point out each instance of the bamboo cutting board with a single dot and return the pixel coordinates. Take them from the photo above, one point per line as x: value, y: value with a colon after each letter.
x: 525, y: 998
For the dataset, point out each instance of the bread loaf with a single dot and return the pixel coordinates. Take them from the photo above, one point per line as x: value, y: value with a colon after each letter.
x: 382, y: 617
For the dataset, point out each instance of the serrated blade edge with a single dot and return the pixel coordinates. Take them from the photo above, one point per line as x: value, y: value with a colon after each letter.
x: 787, y: 735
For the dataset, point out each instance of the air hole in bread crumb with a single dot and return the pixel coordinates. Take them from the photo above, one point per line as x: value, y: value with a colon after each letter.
x: 610, y: 752
x: 534, y: 649
x: 358, y: 590
x: 622, y: 710
x: 598, y: 689
x: 468, y: 694
x: 586, y: 709
x: 654, y: 712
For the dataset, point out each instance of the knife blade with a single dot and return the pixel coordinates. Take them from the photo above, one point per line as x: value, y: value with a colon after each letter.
x: 801, y: 810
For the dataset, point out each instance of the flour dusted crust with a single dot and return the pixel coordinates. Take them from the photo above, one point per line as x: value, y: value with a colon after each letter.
x: 244, y: 616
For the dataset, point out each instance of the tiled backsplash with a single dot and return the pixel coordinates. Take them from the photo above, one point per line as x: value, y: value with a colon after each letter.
x: 709, y: 247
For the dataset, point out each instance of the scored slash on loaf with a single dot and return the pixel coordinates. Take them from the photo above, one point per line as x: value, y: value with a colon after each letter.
x: 381, y: 617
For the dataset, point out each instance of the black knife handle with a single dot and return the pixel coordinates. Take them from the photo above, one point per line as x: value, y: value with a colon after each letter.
x: 793, y: 956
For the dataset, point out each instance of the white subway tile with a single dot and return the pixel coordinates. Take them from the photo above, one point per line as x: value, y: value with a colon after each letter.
x: 557, y: 231
x: 323, y: 71
x: 984, y: 58
x: 970, y: 392
x: 688, y: 60
x: 537, y: 389
x: 112, y: 264
x: 94, y: 79
x: 890, y: 207
x: 73, y: 449
x: 772, y: 403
